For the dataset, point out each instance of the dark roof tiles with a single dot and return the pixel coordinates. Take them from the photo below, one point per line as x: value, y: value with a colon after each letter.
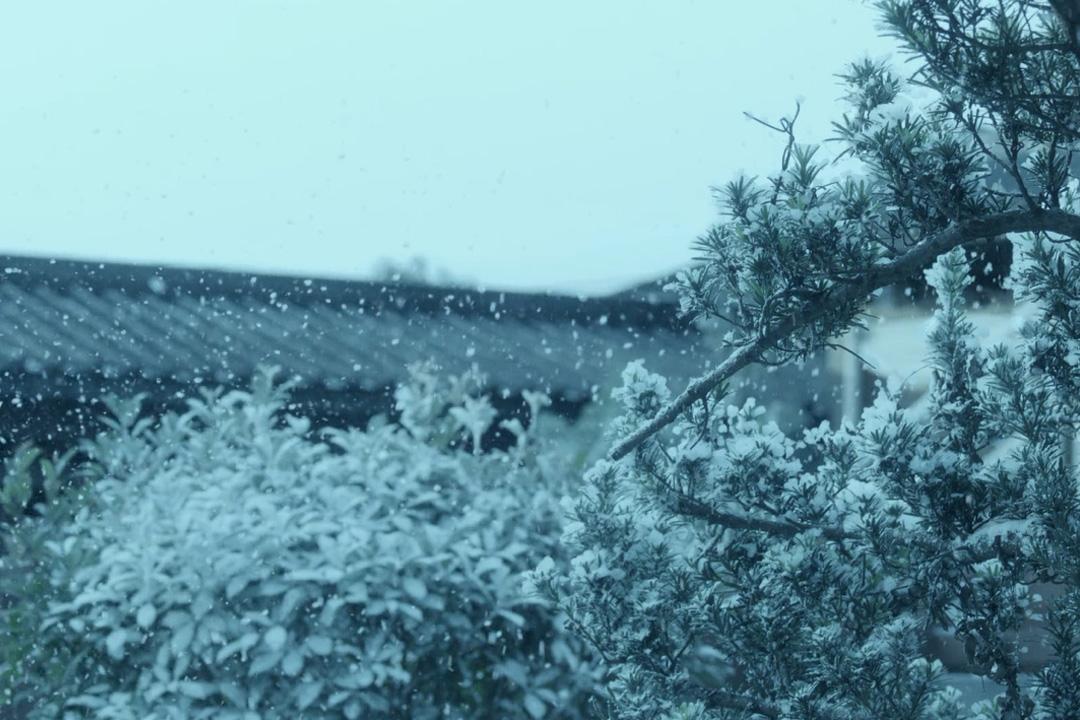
x: 61, y: 319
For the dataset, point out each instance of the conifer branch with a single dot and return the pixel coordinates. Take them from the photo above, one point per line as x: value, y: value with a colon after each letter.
x: 733, y: 701
x: 875, y: 278
x: 971, y: 552
x: 692, y: 507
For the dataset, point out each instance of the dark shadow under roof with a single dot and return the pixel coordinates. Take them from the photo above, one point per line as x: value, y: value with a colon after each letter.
x: 79, y: 327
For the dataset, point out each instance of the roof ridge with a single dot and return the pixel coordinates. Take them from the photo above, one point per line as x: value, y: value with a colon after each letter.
x: 137, y: 279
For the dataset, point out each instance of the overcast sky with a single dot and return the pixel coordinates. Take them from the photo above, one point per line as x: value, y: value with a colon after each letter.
x: 565, y: 145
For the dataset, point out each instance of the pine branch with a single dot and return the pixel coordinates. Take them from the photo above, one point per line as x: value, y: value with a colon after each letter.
x: 692, y: 507
x: 974, y: 551
x: 734, y: 701
x: 993, y: 225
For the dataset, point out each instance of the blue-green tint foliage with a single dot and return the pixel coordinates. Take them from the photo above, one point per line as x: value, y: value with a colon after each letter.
x: 226, y: 564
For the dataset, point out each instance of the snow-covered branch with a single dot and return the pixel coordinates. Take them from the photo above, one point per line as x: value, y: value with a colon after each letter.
x: 691, y: 507
x: 875, y: 278
x: 732, y: 701
x: 979, y: 547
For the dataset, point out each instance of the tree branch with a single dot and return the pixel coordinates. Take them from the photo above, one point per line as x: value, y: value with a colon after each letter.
x: 979, y: 547
x: 734, y: 701
x: 1056, y: 221
x: 691, y: 507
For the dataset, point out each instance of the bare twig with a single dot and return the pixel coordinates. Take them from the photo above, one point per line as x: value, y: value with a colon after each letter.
x: 852, y: 353
x: 785, y: 126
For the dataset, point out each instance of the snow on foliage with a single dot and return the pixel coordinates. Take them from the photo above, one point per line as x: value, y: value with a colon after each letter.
x: 227, y: 565
x: 723, y: 570
x: 224, y: 564
x: 726, y: 570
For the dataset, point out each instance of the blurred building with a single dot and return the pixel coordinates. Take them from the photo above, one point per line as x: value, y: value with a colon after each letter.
x: 72, y: 333
x: 893, y: 347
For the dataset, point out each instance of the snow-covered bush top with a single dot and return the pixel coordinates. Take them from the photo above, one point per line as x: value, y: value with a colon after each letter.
x: 232, y: 567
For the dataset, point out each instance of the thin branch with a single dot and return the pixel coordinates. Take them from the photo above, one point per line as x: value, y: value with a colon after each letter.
x: 1010, y: 169
x: 913, y: 260
x: 691, y: 507
x: 978, y: 548
x: 787, y: 127
x: 852, y: 353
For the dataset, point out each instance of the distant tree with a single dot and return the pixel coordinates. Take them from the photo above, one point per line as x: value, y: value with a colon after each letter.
x: 725, y: 570
x: 414, y: 271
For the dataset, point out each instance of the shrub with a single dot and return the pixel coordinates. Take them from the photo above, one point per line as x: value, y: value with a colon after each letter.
x: 27, y: 526
x: 727, y: 570
x: 231, y: 566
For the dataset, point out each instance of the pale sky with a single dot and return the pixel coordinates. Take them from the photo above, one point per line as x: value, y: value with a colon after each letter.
x: 558, y: 145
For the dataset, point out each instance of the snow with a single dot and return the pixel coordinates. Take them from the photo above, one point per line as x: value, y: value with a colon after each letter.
x: 232, y: 544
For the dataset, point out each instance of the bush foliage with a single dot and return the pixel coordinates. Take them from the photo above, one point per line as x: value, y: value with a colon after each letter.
x: 225, y: 564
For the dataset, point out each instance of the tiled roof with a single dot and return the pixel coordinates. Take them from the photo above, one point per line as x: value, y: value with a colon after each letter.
x: 67, y: 324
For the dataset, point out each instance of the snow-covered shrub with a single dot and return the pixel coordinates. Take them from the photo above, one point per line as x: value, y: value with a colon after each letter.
x: 28, y: 523
x: 725, y: 570
x: 233, y: 567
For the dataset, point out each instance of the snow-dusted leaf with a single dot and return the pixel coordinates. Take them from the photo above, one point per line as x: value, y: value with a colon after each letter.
x: 307, y: 693
x: 292, y: 663
x: 181, y: 638
x: 320, y: 644
x: 264, y: 662
x: 197, y: 690
x: 415, y: 587
x: 515, y: 618
x: 275, y: 638
x: 146, y: 615
x: 235, y: 586
x: 114, y: 643
x: 535, y: 706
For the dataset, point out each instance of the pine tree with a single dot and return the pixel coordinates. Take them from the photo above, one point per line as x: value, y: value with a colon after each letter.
x: 725, y: 570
